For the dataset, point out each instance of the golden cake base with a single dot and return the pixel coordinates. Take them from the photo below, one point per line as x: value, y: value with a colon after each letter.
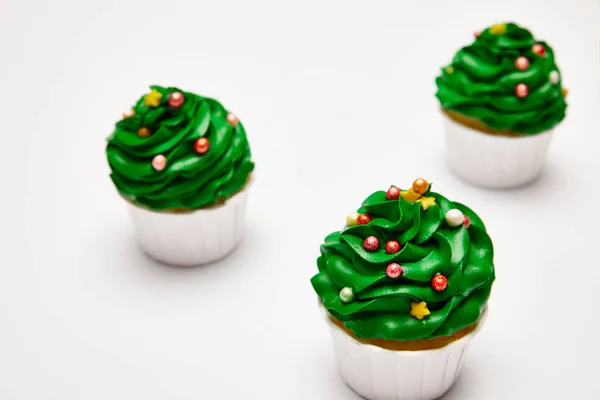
x: 409, y: 345
x: 476, y: 124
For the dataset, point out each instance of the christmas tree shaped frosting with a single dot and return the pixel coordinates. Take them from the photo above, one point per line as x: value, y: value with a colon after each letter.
x: 410, y: 264
x: 506, y: 79
x: 178, y: 150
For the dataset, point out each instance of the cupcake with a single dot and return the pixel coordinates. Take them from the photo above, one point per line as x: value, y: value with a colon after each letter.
x: 403, y: 288
x: 182, y: 163
x: 501, y: 96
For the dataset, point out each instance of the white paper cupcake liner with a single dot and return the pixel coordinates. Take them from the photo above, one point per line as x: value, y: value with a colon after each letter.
x: 493, y: 160
x: 379, y: 374
x: 187, y: 239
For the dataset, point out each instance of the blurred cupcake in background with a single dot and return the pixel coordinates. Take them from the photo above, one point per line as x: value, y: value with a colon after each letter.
x: 404, y: 288
x: 501, y: 96
x: 182, y: 162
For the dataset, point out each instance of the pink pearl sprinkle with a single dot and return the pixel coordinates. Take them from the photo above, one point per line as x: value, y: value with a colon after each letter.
x: 521, y: 90
x: 232, y: 119
x: 522, y: 63
x: 129, y: 113
x: 175, y: 99
x: 159, y: 162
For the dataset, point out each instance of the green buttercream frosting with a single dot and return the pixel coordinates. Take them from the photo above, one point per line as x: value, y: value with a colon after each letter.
x: 381, y: 307
x: 190, y: 180
x: 482, y: 78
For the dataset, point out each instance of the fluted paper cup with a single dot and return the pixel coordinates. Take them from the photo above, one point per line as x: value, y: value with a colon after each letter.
x: 493, y: 160
x: 380, y: 374
x: 193, y: 238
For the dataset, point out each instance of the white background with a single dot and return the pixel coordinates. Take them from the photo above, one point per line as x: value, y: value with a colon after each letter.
x: 338, y: 101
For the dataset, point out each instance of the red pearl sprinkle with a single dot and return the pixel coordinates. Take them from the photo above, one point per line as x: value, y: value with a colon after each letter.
x: 466, y: 222
x: 175, y: 99
x: 521, y: 63
x: 394, y: 271
x: 521, y: 90
x: 538, y: 49
x: 439, y: 283
x: 392, y: 193
x: 201, y: 145
x: 363, y: 219
x: 392, y: 246
x: 477, y: 34
x: 371, y: 243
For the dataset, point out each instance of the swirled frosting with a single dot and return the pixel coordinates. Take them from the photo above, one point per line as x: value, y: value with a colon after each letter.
x: 168, y: 154
x: 482, y: 81
x: 354, y: 287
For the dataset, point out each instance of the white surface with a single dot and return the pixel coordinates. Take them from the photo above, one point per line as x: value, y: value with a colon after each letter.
x: 380, y: 374
x: 337, y: 98
x: 187, y: 239
x: 495, y: 161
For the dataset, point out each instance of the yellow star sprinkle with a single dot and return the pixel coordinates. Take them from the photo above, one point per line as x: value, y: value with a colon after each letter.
x: 410, y: 195
x: 427, y: 202
x: 152, y: 99
x: 449, y: 70
x: 419, y: 310
x: 564, y: 92
x: 498, y: 29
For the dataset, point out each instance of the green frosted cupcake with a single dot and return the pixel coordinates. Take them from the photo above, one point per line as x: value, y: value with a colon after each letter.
x: 182, y: 162
x: 502, y: 96
x: 404, y: 287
